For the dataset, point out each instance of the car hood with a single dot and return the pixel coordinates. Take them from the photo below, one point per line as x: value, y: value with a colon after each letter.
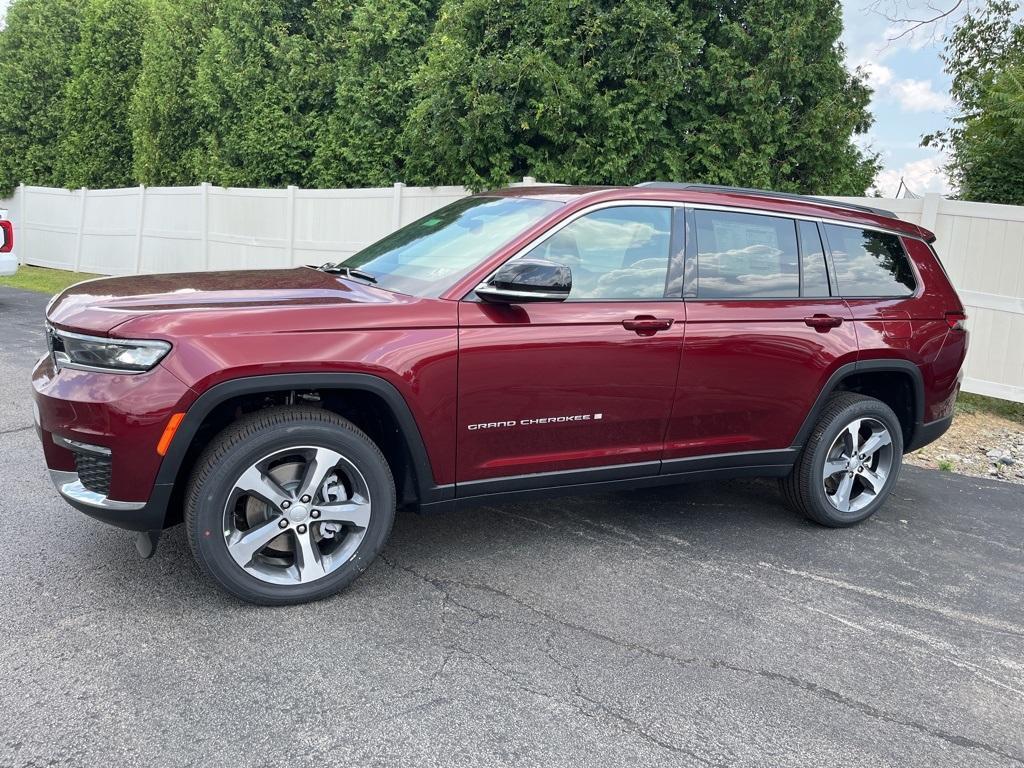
x: 98, y: 306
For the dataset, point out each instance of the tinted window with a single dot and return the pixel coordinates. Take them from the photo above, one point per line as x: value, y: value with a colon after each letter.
x: 614, y: 253
x: 427, y: 256
x: 744, y: 255
x: 814, y: 276
x: 869, y: 263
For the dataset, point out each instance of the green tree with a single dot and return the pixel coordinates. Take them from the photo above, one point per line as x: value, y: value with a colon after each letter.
x: 260, y: 91
x: 163, y: 117
x: 988, y: 164
x: 775, y: 105
x: 985, y: 57
x: 35, y: 63
x: 95, y: 148
x: 751, y: 92
x: 361, y: 140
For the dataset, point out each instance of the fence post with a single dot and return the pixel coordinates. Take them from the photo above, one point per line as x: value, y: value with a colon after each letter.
x: 83, y: 192
x: 204, y: 191
x: 291, y: 225
x: 22, y: 221
x: 930, y: 211
x: 396, y: 208
x: 139, y: 228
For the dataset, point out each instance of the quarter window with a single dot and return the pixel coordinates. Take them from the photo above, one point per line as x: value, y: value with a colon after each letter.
x: 745, y: 255
x: 613, y: 253
x: 870, y: 264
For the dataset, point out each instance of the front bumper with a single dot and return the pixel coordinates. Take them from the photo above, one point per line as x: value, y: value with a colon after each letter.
x: 131, y: 515
x: 80, y: 414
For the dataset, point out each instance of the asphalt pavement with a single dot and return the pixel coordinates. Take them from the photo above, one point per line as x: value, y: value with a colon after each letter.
x: 699, y: 625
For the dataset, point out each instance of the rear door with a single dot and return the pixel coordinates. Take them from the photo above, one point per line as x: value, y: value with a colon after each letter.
x: 765, y: 329
x: 581, y: 388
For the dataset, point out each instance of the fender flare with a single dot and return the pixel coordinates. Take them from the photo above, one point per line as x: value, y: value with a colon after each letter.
x: 864, y: 366
x: 428, y: 491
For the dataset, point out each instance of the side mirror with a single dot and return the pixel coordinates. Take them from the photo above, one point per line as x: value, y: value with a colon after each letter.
x: 523, y: 280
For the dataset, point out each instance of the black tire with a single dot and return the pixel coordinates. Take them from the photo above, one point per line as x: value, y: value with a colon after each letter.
x: 242, y: 444
x: 803, y: 488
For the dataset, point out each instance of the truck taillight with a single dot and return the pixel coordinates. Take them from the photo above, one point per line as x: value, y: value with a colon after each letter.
x: 955, y: 320
x: 6, y: 236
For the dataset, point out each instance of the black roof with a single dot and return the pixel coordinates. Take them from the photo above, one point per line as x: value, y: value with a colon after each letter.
x: 769, y: 193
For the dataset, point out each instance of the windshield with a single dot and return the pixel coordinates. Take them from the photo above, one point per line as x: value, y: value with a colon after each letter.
x: 429, y: 255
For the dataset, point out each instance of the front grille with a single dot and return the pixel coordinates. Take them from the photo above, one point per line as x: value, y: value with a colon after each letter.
x: 94, y: 472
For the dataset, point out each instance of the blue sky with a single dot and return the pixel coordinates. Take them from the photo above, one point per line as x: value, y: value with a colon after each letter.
x: 911, y: 91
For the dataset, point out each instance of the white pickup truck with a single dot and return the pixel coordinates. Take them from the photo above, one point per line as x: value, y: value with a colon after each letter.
x: 8, y: 261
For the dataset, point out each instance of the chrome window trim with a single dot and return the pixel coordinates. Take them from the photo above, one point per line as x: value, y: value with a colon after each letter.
x: 626, y: 203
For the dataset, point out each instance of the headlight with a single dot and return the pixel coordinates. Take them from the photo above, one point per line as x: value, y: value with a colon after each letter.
x: 94, y: 353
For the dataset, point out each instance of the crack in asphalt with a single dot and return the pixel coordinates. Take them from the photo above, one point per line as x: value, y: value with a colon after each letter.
x: 815, y: 689
x: 16, y: 429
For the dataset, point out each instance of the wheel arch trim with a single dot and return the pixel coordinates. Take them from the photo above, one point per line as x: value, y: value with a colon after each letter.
x: 878, y: 365
x: 251, y: 385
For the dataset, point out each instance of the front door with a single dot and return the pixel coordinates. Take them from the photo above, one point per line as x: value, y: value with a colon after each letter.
x: 582, y: 388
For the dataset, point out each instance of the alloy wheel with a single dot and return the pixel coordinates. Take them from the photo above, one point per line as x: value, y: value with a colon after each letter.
x: 858, y: 465
x: 296, y: 515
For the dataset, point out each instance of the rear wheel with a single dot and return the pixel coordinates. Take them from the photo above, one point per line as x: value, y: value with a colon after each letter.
x: 289, y: 505
x: 850, y: 463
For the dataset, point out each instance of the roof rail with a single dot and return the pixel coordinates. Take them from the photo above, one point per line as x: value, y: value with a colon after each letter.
x: 769, y: 193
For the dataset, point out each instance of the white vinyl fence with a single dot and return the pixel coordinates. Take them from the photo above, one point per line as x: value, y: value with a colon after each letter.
x: 183, y: 229
x: 177, y: 229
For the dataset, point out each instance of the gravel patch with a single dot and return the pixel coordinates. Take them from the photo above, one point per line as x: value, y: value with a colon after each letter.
x: 978, y: 444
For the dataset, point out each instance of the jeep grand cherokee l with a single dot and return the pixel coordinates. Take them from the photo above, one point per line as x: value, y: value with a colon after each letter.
x: 514, y: 343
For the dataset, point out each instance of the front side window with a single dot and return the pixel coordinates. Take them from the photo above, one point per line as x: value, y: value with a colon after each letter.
x: 429, y: 255
x: 613, y: 253
x: 869, y: 264
x: 746, y: 255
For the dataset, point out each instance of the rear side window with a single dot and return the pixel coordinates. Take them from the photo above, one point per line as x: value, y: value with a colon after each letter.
x: 812, y: 262
x: 745, y: 255
x: 870, y: 264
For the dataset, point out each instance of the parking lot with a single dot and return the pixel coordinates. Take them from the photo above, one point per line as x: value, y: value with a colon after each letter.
x: 696, y: 625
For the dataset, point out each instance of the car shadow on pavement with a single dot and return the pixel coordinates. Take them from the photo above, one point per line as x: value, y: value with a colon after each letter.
x: 714, y: 515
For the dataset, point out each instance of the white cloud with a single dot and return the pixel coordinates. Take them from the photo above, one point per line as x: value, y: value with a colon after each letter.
x: 878, y: 75
x: 920, y: 176
x: 918, y: 96
x: 911, y: 95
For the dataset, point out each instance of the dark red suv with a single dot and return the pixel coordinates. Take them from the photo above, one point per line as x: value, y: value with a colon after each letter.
x: 514, y: 343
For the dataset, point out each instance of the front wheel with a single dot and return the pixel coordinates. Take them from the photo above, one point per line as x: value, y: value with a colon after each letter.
x: 289, y: 505
x: 850, y: 463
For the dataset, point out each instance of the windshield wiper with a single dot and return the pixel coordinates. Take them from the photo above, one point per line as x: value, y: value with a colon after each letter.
x: 341, y: 269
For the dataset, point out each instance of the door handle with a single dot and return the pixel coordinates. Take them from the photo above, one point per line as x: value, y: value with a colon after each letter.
x: 823, y: 323
x: 648, y: 325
